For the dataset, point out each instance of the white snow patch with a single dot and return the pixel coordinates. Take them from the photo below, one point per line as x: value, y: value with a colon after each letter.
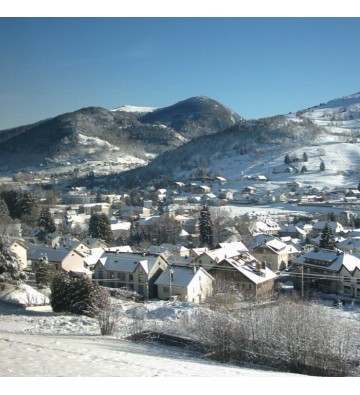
x: 128, y: 108
x: 22, y: 295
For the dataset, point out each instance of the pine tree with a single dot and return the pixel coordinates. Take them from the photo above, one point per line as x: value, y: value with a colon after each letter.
x: 327, y: 237
x: 303, y: 169
x: 10, y: 265
x: 305, y: 157
x: 45, y: 221
x: 206, y: 230
x: 322, y: 166
x: 45, y: 272
x: 99, y: 227
x: 287, y: 160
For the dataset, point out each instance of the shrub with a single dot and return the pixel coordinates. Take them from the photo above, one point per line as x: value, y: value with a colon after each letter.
x: 77, y: 295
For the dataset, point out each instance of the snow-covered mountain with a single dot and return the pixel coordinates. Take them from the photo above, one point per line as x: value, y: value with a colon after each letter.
x: 338, y: 116
x: 124, y: 131
x: 328, y: 133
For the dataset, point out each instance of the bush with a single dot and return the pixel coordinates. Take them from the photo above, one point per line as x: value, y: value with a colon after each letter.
x: 77, y: 295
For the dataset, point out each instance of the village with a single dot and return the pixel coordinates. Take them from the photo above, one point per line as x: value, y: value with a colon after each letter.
x: 155, y: 249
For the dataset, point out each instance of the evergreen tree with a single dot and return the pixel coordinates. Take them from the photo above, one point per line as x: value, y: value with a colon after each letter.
x: 45, y: 221
x: 327, y: 237
x: 205, y: 225
x: 19, y: 203
x: 134, y: 198
x: 358, y: 186
x: 10, y: 265
x: 99, y: 227
x: 60, y: 295
x: 98, y: 198
x: 45, y: 272
x: 305, y: 157
x: 303, y: 169
x: 287, y: 159
x: 322, y: 166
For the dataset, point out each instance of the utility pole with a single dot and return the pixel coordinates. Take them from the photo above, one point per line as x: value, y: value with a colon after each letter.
x: 171, y: 272
x: 302, y: 281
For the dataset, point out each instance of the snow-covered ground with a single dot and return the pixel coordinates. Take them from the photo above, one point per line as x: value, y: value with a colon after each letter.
x: 35, y: 342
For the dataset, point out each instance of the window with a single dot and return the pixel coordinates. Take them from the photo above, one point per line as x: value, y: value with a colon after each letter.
x: 141, y: 277
x: 347, y: 279
x: 121, y: 276
x: 166, y: 290
x: 141, y: 270
x: 358, y: 281
x: 347, y: 290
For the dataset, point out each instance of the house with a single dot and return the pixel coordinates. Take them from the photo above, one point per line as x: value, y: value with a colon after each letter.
x: 292, y: 231
x: 245, y: 274
x: 92, y: 242
x: 266, y: 226
x: 63, y: 259
x: 20, y: 249
x: 185, y: 284
x: 133, y: 272
x: 203, y: 189
x: 69, y: 242
x: 350, y: 245
x: 190, y: 187
x: 211, y: 258
x: 225, y: 194
x: 274, y: 252
x: 318, y: 227
x: 329, y: 271
x: 249, y: 189
x: 220, y: 180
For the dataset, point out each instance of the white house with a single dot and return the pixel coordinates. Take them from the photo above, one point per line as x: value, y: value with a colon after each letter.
x: 185, y: 284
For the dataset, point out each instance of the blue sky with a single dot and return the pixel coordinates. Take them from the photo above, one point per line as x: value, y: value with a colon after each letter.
x: 256, y: 66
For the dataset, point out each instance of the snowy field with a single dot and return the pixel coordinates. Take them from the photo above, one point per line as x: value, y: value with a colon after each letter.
x: 68, y: 350
x: 41, y: 343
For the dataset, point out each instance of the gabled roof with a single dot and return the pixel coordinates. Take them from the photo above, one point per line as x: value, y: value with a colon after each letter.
x: 35, y: 252
x: 249, y: 271
x: 334, y: 260
x: 236, y: 245
x: 181, y: 276
x: 126, y: 262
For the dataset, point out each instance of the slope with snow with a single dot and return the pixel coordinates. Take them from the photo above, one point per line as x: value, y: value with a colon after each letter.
x: 40, y: 343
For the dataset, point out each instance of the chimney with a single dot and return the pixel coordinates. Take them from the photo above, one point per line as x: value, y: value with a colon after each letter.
x: 263, y: 265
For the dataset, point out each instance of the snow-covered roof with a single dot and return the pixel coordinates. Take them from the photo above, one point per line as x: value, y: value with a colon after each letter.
x: 181, y: 276
x: 334, y: 260
x: 221, y: 253
x: 119, y: 249
x: 120, y: 226
x: 236, y: 245
x: 34, y: 253
x: 124, y: 262
x: 250, y: 271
